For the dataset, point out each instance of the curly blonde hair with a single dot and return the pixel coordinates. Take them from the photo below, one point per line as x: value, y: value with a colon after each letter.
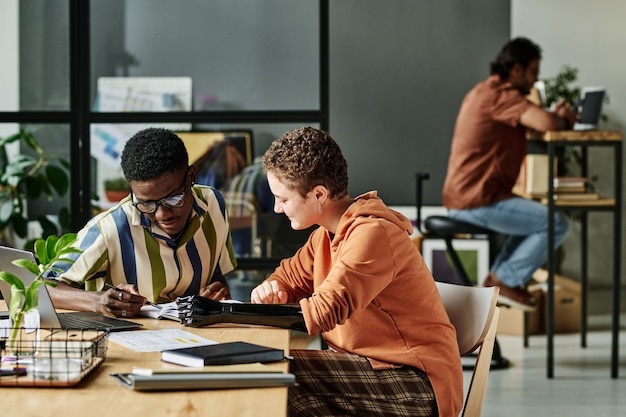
x: 305, y: 157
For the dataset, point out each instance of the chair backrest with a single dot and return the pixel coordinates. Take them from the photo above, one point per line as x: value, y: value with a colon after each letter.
x: 474, y: 314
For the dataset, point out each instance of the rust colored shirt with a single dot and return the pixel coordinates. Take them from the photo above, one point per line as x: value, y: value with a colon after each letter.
x: 488, y: 146
x: 369, y: 292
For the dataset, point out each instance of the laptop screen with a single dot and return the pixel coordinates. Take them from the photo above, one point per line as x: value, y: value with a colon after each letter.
x: 590, y: 108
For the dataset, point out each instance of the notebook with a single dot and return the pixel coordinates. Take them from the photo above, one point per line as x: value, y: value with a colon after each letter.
x: 590, y: 109
x: 222, y: 354
x: 203, y: 380
x: 48, y: 316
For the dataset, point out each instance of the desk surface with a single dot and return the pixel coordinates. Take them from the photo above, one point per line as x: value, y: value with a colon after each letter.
x: 576, y: 135
x: 100, y: 395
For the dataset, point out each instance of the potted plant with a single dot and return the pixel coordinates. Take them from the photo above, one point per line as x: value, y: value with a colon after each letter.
x: 116, y: 188
x: 25, y: 298
x: 25, y: 177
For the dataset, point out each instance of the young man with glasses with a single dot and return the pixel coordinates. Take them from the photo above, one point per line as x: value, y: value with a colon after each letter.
x: 168, y: 238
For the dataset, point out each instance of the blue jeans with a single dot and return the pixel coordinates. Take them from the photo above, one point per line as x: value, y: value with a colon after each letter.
x: 525, y: 222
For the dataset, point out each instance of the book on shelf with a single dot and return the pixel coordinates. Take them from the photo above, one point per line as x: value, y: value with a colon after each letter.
x: 569, y: 182
x: 576, y: 196
x: 570, y: 189
x: 222, y: 354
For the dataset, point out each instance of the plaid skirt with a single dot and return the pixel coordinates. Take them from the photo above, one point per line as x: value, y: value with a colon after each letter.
x: 330, y: 383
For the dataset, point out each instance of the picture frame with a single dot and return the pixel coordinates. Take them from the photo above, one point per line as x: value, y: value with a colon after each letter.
x: 473, y: 253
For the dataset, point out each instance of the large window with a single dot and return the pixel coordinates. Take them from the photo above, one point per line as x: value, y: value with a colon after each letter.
x: 76, y: 69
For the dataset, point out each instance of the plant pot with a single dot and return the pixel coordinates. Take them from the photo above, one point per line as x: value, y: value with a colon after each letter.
x: 115, y: 196
x: 23, y: 337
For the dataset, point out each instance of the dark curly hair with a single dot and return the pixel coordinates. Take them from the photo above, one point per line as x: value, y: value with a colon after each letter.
x: 306, y: 157
x: 152, y: 152
x: 516, y: 51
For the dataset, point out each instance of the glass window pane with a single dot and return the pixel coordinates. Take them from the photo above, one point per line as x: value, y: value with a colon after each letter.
x: 54, y: 140
x: 239, y: 54
x: 34, y: 44
x: 108, y: 140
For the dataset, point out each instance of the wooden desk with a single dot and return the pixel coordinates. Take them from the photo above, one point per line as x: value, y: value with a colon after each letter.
x: 101, y: 395
x: 585, y: 139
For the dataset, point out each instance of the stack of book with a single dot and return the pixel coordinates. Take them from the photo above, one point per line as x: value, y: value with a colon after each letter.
x: 573, y: 189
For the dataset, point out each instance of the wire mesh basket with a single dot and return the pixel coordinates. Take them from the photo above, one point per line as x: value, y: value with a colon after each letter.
x: 51, y: 357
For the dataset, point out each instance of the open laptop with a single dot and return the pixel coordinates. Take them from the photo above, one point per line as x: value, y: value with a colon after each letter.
x: 48, y: 316
x: 590, y: 110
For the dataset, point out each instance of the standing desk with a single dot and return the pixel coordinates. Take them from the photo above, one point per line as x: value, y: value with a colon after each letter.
x: 100, y: 395
x: 585, y: 140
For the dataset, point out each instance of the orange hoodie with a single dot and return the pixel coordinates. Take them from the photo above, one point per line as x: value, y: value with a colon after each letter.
x: 369, y: 292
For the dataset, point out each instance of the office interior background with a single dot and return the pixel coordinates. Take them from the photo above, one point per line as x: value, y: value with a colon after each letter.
x: 385, y: 78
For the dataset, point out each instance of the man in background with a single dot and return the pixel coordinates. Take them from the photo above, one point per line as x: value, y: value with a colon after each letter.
x: 488, y: 148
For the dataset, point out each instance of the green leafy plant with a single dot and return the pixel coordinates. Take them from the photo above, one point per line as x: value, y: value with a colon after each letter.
x: 25, y: 298
x: 559, y: 87
x: 26, y: 178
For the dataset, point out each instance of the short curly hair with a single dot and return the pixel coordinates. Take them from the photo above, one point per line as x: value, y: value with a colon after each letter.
x: 305, y: 157
x: 152, y: 152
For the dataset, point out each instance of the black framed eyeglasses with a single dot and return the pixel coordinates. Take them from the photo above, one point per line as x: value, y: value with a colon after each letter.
x: 172, y: 201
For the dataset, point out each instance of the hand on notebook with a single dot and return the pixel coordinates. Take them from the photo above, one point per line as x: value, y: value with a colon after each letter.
x: 269, y: 292
x: 123, y: 301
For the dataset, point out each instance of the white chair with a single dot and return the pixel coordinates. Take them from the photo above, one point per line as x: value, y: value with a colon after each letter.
x: 474, y: 314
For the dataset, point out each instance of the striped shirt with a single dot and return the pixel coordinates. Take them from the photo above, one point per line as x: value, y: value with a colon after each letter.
x: 121, y: 246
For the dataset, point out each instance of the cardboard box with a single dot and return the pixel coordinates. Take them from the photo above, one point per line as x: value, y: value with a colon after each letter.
x: 566, y: 308
x: 512, y: 319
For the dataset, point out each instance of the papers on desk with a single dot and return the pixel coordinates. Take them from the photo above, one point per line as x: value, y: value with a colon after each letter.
x: 158, y: 340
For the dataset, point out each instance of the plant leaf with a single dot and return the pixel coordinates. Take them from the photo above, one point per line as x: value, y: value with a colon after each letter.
x: 50, y: 247
x: 6, y: 210
x: 33, y: 187
x: 66, y: 240
x: 48, y: 228
x: 12, y: 280
x: 10, y: 139
x: 58, y: 179
x: 20, y: 224
x: 27, y: 264
x: 16, y: 300
x: 40, y: 251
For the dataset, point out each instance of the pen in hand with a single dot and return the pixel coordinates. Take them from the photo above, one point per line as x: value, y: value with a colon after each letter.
x: 106, y: 284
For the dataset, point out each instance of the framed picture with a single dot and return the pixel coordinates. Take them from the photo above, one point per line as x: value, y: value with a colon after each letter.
x: 473, y: 253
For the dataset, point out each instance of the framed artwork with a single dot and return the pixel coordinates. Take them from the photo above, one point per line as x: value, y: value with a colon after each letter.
x: 473, y: 253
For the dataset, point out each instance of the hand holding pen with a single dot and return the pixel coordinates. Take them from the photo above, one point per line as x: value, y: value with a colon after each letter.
x: 125, y: 301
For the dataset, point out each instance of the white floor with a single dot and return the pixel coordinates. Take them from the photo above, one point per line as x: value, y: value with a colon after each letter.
x: 582, y: 385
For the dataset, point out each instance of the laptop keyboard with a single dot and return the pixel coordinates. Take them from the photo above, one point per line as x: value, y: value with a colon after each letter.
x: 70, y: 321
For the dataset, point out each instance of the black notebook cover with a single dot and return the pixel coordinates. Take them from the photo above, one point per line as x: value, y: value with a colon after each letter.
x: 222, y: 354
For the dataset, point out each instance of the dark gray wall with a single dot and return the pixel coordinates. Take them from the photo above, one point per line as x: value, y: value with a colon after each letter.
x: 399, y: 70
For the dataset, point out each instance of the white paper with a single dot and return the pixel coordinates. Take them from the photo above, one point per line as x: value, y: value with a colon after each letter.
x: 158, y: 340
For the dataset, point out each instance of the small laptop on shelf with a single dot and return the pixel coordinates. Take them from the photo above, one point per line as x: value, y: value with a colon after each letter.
x: 48, y: 316
x: 590, y: 110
